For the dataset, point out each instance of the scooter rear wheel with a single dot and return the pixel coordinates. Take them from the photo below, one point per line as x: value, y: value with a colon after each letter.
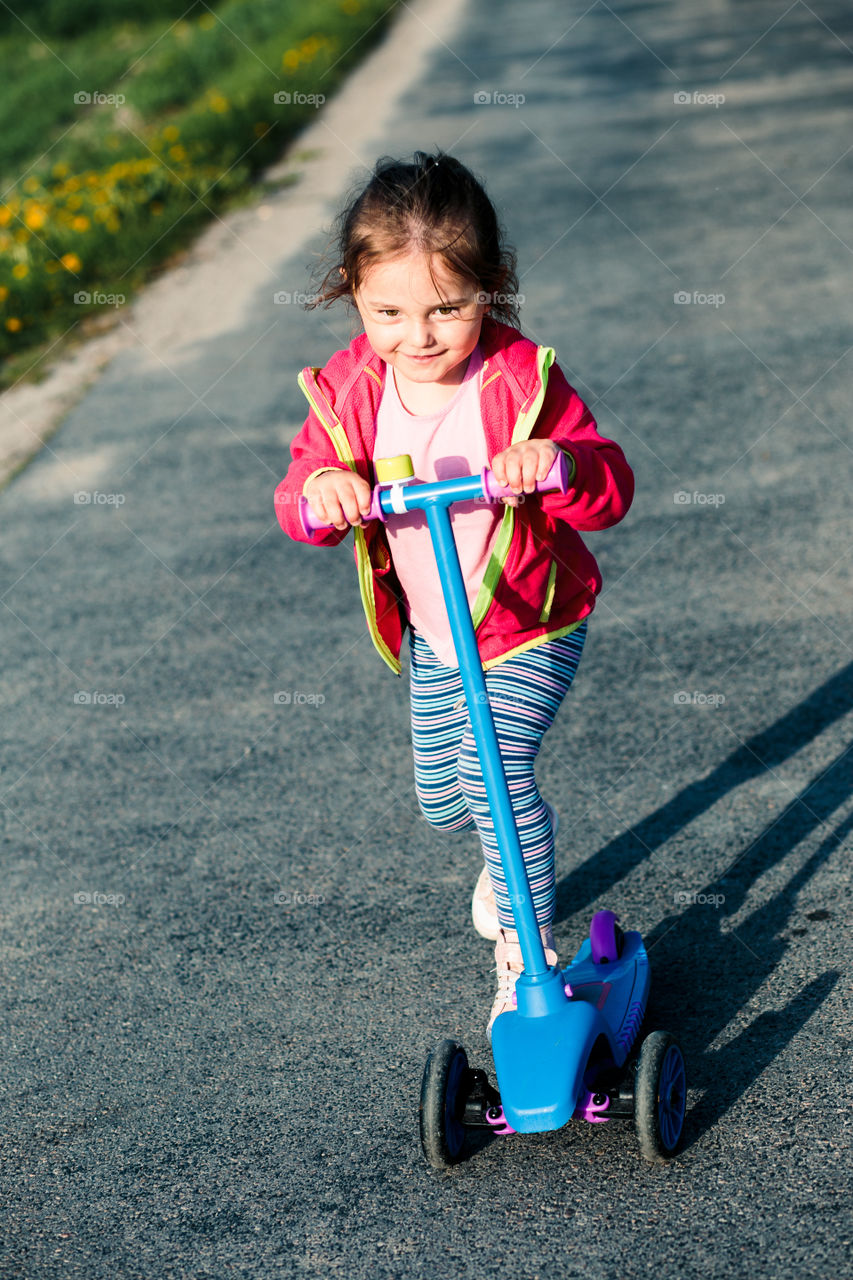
x: 660, y: 1096
x: 442, y: 1103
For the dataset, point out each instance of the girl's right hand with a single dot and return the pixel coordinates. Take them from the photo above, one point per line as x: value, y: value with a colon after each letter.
x: 339, y: 498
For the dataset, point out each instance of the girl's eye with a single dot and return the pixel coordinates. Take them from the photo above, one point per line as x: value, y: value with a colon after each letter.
x: 447, y: 311
x: 389, y: 311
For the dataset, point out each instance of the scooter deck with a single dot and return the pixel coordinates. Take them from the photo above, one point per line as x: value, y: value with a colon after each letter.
x: 541, y: 1062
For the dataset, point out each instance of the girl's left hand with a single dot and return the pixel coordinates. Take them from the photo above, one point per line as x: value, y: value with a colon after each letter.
x: 522, y: 464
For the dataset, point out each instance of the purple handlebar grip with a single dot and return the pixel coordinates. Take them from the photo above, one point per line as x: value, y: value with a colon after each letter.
x: 310, y: 522
x: 557, y: 480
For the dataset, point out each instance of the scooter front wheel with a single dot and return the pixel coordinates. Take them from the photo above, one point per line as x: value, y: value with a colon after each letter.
x: 660, y: 1096
x: 442, y: 1103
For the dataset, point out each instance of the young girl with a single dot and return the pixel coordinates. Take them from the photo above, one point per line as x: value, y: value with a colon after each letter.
x: 440, y: 373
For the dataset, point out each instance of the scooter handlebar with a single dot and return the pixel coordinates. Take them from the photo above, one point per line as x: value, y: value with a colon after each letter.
x: 556, y: 481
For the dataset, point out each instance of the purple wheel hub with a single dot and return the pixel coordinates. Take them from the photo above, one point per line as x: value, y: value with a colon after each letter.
x: 605, y: 937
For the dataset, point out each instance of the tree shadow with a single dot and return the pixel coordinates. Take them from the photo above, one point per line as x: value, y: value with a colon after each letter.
x: 784, y: 738
x: 705, y: 973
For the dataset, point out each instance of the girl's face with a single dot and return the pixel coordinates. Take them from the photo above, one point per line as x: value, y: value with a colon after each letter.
x: 425, y: 330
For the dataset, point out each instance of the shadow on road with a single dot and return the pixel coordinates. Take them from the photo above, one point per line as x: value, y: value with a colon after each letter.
x: 705, y: 971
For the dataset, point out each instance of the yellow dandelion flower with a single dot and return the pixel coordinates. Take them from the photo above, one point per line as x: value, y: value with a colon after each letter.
x: 71, y: 262
x: 350, y: 7
x: 73, y: 184
x: 35, y: 216
x: 113, y: 225
x: 207, y: 21
x: 290, y: 60
x: 59, y: 170
x: 310, y: 47
x: 171, y: 133
x: 31, y: 185
x: 13, y: 324
x: 5, y: 215
x: 20, y: 270
x: 81, y: 222
x: 73, y: 202
x: 4, y: 293
x: 217, y: 102
x: 177, y: 153
x: 22, y: 235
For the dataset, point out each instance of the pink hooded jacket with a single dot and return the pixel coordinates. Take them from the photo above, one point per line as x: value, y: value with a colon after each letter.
x: 541, y: 580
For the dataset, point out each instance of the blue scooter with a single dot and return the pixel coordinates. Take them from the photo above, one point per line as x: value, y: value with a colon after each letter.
x: 570, y: 1048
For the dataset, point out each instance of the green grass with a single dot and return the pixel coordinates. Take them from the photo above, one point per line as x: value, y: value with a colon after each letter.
x: 124, y: 129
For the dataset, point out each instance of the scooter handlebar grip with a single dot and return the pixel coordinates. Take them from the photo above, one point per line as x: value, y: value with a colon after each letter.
x: 311, y: 522
x: 556, y: 481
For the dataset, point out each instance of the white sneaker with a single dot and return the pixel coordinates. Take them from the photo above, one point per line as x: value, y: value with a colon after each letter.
x: 509, y: 965
x: 484, y: 911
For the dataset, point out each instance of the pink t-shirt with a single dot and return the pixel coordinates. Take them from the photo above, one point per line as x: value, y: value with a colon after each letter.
x: 442, y: 446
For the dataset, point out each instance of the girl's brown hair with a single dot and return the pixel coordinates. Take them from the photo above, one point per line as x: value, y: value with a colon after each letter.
x: 435, y: 205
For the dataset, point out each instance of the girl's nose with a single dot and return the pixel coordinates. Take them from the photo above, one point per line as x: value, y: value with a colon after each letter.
x: 420, y: 335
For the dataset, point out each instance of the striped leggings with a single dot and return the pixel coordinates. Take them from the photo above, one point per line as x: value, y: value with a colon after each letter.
x: 525, y: 693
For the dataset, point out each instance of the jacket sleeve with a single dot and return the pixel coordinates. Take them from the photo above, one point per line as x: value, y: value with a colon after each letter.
x: 311, y: 451
x: 602, y: 487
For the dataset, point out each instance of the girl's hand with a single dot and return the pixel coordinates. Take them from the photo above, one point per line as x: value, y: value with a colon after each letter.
x: 339, y: 497
x: 522, y: 464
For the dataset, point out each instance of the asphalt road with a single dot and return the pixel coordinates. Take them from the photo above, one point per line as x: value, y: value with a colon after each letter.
x: 228, y: 939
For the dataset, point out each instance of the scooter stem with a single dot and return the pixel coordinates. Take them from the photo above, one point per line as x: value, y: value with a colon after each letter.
x: 486, y: 738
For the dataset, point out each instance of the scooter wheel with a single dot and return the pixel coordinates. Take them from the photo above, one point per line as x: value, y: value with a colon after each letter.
x: 660, y: 1096
x: 606, y: 938
x: 442, y: 1102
